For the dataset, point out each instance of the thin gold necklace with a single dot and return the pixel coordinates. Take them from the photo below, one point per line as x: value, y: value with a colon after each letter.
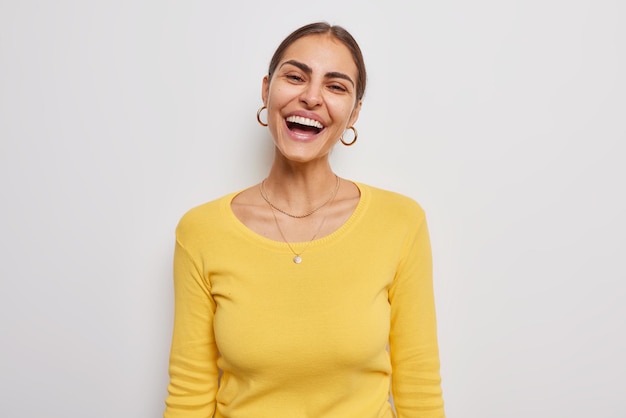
x: 311, y: 212
x: 298, y: 255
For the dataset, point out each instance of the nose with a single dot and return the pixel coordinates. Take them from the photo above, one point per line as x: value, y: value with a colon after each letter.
x: 311, y: 95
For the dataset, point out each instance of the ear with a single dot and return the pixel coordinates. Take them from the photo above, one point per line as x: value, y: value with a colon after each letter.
x: 265, y: 90
x: 355, y: 113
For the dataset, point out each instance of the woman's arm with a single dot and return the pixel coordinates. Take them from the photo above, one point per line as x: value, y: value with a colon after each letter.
x: 193, y: 358
x: 416, y: 382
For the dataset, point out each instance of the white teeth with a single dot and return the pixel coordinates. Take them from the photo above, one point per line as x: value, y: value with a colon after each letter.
x: 305, y: 121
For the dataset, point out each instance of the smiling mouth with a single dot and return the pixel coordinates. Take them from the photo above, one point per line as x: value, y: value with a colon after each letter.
x: 302, y: 124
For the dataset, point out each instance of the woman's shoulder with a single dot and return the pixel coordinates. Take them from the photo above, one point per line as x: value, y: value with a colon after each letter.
x: 204, y: 216
x: 391, y: 202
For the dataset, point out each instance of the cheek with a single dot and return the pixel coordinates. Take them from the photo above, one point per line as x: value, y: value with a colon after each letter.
x: 276, y: 99
x: 343, y: 113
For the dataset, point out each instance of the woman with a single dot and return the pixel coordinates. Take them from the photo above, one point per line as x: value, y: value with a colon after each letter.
x: 306, y: 295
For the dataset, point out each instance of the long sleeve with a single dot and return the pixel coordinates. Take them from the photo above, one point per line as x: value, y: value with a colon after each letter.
x: 193, y: 358
x: 416, y: 381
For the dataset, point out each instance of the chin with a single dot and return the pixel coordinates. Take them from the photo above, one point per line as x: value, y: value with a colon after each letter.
x: 301, y: 157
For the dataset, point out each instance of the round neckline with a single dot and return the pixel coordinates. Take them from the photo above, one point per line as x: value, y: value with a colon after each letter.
x: 268, y: 242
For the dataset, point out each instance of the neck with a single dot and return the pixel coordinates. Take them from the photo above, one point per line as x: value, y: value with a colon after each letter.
x: 300, y: 187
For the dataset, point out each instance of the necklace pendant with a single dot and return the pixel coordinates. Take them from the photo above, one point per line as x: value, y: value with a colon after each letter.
x: 297, y: 259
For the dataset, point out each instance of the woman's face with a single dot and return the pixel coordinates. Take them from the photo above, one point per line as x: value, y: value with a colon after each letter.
x: 311, y: 98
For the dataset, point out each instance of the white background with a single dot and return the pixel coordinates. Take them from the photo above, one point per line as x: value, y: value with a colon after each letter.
x: 504, y: 119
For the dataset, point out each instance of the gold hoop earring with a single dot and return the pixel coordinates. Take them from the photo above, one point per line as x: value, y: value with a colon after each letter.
x: 258, y: 116
x: 356, y: 135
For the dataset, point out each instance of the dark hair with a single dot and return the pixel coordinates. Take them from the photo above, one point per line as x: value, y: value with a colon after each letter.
x: 337, y: 32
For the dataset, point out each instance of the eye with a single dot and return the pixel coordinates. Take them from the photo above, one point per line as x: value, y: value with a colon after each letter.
x: 338, y: 88
x: 294, y: 77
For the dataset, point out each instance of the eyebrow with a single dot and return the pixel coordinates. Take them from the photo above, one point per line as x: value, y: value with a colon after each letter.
x: 308, y: 70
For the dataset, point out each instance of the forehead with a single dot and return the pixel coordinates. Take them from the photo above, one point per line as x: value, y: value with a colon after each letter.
x: 323, y: 52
